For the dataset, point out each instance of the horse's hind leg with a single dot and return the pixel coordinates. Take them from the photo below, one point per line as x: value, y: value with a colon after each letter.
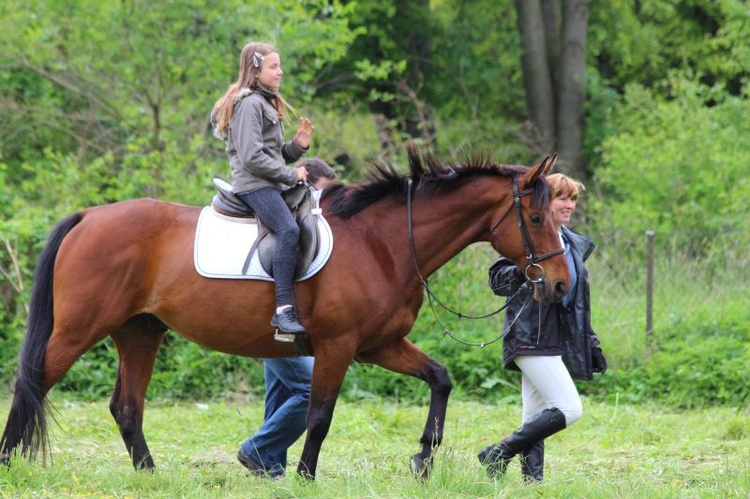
x: 137, y: 343
x: 403, y: 357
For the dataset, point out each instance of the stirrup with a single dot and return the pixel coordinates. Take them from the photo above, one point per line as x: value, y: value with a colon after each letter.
x: 284, y: 337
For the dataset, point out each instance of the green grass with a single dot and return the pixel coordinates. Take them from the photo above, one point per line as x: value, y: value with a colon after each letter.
x: 613, y: 451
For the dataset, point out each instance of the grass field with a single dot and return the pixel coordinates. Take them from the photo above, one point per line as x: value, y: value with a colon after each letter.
x: 613, y: 451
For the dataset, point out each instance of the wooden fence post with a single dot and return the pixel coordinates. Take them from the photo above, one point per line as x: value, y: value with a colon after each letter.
x: 650, y: 292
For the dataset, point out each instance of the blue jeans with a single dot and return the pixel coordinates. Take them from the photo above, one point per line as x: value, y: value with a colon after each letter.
x: 288, y: 382
x: 270, y: 207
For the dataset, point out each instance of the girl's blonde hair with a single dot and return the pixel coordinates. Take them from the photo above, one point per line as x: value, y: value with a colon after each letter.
x: 251, y: 62
x: 564, y: 186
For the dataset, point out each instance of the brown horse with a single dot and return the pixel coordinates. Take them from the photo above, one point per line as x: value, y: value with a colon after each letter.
x: 125, y: 270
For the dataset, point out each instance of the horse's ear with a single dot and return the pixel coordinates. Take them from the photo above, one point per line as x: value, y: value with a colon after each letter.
x: 538, y: 170
x: 549, y: 163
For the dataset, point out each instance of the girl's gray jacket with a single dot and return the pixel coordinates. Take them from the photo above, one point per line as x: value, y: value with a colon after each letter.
x: 255, y: 146
x: 562, y: 330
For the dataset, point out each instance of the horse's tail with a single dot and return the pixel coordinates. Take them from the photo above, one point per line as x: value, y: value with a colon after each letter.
x: 27, y: 421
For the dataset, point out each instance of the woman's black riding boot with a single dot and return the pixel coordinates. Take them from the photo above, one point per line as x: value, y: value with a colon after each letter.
x: 532, y: 463
x: 496, y: 457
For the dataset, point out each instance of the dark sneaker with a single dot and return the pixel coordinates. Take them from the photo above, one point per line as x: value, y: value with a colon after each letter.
x: 256, y: 468
x: 286, y: 321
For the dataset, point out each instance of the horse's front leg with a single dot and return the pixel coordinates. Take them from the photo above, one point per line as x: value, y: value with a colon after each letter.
x: 328, y: 374
x: 403, y: 357
x: 137, y: 351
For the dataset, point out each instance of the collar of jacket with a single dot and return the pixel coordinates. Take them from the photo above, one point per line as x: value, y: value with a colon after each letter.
x: 267, y: 94
x: 579, y: 242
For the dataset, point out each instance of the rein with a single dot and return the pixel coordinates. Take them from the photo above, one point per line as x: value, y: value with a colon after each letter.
x: 530, y: 256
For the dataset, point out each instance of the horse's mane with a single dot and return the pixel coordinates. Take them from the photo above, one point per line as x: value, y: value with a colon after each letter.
x: 427, y: 174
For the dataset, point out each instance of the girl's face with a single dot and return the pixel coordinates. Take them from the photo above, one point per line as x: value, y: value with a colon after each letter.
x: 562, y: 208
x: 270, y: 72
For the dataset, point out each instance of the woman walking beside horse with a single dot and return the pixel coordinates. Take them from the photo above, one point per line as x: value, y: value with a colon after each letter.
x: 249, y: 118
x: 550, y: 344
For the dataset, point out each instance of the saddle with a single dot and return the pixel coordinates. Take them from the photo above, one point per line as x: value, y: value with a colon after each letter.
x: 303, y: 205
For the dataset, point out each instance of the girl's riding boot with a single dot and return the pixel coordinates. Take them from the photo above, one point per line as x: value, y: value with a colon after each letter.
x: 496, y: 457
x: 532, y: 463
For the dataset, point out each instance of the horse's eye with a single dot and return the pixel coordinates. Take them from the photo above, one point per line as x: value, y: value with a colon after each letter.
x: 535, y: 218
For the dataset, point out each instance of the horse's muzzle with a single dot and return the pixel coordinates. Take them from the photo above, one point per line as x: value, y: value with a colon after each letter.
x: 547, y: 293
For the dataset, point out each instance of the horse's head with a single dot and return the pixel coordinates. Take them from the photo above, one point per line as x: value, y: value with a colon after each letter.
x: 524, y: 232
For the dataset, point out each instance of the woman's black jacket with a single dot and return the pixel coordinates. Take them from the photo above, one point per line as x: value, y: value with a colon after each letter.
x: 563, y: 330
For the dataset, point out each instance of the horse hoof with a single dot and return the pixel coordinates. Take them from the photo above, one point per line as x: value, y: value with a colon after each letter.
x: 421, y: 467
x: 145, y: 465
x: 305, y: 477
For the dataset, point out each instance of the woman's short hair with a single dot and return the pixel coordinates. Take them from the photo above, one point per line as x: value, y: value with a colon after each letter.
x: 317, y: 169
x: 565, y: 187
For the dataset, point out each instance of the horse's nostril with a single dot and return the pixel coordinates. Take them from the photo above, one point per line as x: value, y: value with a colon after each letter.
x: 560, y: 289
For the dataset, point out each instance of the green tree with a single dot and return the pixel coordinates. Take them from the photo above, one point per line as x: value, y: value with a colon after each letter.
x: 108, y: 100
x: 135, y: 77
x: 680, y: 167
x: 637, y: 42
x: 553, y: 37
x: 112, y: 104
x: 387, y: 67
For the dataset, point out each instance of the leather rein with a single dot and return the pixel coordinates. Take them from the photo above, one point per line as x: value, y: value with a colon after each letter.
x: 533, y: 259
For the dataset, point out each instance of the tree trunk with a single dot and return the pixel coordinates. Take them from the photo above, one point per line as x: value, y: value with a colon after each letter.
x: 407, y: 109
x: 551, y: 19
x: 536, y: 75
x: 572, y: 88
x: 554, y: 72
x: 419, y: 122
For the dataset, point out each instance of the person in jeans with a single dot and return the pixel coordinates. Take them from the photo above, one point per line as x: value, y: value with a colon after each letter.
x: 249, y: 118
x: 288, y: 382
x: 550, y: 345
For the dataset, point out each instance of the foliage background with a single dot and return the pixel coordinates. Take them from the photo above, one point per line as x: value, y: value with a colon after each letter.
x: 112, y: 104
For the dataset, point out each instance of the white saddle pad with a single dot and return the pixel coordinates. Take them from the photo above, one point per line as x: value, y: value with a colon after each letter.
x: 222, y: 244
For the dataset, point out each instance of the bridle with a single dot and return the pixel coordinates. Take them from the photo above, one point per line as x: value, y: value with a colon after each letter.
x: 527, y: 246
x: 532, y: 258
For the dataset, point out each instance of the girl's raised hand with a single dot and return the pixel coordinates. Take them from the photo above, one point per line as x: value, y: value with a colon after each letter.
x: 304, y: 133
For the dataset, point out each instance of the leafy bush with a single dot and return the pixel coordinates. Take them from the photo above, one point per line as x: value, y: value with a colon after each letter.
x: 677, y: 165
x: 20, y: 244
x: 185, y: 370
x: 695, y: 365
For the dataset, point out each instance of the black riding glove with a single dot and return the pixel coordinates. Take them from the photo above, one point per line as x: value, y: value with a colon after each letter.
x: 598, y: 362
